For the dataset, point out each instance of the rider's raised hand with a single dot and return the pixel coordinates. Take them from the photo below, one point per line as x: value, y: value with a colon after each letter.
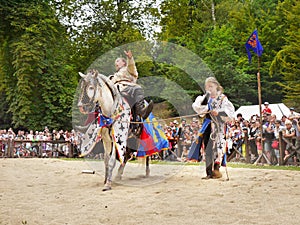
x: 128, y: 54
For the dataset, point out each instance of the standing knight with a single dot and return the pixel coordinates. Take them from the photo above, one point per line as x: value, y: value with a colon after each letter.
x: 218, y: 110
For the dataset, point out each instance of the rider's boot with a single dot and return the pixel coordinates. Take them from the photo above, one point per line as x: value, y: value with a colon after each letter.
x: 142, y: 110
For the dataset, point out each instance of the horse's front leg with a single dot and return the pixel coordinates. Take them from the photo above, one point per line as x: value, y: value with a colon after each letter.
x: 109, y: 158
x: 106, y: 160
x: 147, y: 166
x: 109, y: 170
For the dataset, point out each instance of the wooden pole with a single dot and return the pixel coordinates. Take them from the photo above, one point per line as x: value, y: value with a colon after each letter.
x: 260, y: 115
x: 259, y: 103
x: 246, y: 141
x: 281, y: 149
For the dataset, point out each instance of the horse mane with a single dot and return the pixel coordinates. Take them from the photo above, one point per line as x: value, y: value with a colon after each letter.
x: 108, y: 82
x: 116, y: 95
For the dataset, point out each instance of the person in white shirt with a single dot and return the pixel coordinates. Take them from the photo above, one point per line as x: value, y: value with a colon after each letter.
x: 218, y: 110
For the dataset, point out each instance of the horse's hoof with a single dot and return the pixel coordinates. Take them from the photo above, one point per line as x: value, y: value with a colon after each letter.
x: 118, y: 177
x: 147, y: 173
x: 106, y: 188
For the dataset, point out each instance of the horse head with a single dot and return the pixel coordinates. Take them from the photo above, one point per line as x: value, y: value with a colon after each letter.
x: 96, y: 89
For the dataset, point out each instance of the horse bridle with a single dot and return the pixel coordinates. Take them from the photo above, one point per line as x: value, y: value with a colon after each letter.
x: 97, y: 79
x: 84, y: 86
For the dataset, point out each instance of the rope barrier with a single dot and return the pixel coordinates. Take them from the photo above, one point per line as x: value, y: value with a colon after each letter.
x: 161, y: 120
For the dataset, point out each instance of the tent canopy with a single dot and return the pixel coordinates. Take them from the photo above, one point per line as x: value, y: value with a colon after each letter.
x: 278, y: 109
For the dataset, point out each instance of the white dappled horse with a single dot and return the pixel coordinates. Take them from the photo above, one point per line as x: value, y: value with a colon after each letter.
x: 97, y: 88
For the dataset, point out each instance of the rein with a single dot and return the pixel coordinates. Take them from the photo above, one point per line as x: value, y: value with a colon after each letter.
x: 114, y: 93
x: 157, y: 120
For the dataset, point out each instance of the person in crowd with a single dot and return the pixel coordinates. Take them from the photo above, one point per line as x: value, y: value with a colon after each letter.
x: 11, y: 134
x: 187, y: 136
x: 195, y: 123
x: 49, y: 148
x: 172, y: 142
x: 268, y: 137
x: 288, y: 134
x: 278, y: 128
x: 246, y: 125
x: 183, y: 123
x: 253, y: 134
x: 184, y: 154
x: 218, y: 110
x: 293, y: 115
x: 2, y: 144
x: 296, y: 124
x: 174, y: 127
x: 266, y: 110
x: 239, y: 118
x: 60, y: 136
x: 235, y: 135
x: 183, y: 137
x: 283, y: 119
x: 19, y: 150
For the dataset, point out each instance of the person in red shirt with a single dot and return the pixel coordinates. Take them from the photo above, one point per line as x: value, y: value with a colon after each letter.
x: 267, y: 110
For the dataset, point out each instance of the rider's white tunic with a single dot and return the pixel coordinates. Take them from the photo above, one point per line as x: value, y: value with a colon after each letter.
x: 126, y: 76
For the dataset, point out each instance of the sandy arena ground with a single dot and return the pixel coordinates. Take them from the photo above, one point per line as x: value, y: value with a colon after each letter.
x: 53, y: 191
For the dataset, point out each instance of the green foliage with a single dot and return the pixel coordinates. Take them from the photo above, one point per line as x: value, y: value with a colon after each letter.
x: 287, y: 59
x: 43, y: 44
x: 218, y: 30
x: 32, y: 67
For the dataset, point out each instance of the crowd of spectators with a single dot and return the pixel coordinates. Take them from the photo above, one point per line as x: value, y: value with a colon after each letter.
x: 38, y: 143
x: 180, y: 136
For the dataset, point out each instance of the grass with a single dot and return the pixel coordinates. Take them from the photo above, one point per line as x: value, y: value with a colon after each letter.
x: 229, y: 164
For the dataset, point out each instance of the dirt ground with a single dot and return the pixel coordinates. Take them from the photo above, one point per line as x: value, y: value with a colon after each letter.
x: 53, y: 191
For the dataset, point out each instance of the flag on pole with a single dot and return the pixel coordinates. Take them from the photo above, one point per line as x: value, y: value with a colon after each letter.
x: 254, y: 44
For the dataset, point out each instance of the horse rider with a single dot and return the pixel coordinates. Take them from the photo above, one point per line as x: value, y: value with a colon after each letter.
x: 125, y: 78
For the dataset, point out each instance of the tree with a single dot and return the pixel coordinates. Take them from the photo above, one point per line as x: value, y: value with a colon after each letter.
x: 287, y: 60
x: 33, y: 66
x: 222, y: 58
x: 103, y: 25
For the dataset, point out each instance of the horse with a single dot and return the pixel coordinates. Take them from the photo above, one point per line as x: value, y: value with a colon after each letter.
x: 115, y: 118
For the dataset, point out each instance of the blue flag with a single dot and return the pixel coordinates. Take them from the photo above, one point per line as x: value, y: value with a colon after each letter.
x: 254, y: 45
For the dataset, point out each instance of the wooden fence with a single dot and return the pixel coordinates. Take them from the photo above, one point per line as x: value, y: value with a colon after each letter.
x: 10, y: 148
x: 282, y: 146
x: 13, y: 148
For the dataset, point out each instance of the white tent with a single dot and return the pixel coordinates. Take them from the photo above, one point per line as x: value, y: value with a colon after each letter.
x: 279, y: 110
